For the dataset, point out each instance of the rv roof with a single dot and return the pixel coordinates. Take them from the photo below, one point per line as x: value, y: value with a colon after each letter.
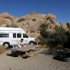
x: 10, y: 28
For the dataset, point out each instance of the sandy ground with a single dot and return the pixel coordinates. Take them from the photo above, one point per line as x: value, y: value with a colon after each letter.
x: 37, y: 62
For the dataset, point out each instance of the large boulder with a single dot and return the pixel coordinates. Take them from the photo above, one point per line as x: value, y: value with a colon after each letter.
x: 33, y: 13
x: 52, y: 19
x: 7, y: 18
x: 51, y: 26
x: 2, y: 21
x: 64, y: 26
x: 4, y: 15
x: 35, y: 35
x: 51, y: 16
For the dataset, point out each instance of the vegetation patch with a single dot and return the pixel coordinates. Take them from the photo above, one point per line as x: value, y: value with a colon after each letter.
x: 33, y: 19
x: 12, y: 25
x: 21, y: 19
x: 52, y: 40
x: 32, y: 31
x: 43, y: 46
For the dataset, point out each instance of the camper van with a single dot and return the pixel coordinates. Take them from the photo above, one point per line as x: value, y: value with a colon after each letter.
x: 11, y: 36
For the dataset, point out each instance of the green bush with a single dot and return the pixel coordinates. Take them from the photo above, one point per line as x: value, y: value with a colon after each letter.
x: 42, y: 29
x: 61, y: 36
x: 21, y: 19
x: 43, y: 40
x: 33, y: 19
x: 43, y: 26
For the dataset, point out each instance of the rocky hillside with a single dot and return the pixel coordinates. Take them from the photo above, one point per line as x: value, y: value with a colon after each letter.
x: 31, y: 22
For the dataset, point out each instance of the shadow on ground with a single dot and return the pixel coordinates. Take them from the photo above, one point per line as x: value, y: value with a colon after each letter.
x: 49, y: 52
x: 12, y: 55
x: 10, y: 47
x: 58, y: 57
x: 56, y: 54
x: 16, y: 55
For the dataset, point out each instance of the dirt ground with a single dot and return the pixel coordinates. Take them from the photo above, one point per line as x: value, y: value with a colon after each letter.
x: 40, y: 61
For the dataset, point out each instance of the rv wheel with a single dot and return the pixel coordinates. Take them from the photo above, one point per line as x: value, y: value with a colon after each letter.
x: 6, y: 44
x: 31, y: 42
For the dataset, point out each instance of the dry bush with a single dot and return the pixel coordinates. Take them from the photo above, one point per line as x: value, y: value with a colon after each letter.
x: 33, y: 19
x: 2, y: 49
x: 44, y: 46
x: 37, y: 40
x: 59, y: 46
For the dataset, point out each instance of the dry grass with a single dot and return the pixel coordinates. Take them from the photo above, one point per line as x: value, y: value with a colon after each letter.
x: 59, y: 47
x: 44, y: 46
x: 2, y: 49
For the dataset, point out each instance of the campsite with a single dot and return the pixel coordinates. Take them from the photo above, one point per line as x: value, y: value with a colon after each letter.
x: 34, y: 34
x: 39, y: 61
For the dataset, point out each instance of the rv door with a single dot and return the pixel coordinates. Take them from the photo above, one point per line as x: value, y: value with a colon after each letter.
x: 25, y: 37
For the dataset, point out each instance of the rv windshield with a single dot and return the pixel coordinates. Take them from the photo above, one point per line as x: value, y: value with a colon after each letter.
x: 25, y: 36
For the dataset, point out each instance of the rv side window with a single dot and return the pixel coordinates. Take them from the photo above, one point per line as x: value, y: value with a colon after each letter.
x: 18, y: 35
x: 14, y: 35
x: 25, y: 36
x: 2, y: 35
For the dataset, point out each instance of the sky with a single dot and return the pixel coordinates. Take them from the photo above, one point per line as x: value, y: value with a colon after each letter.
x: 19, y: 8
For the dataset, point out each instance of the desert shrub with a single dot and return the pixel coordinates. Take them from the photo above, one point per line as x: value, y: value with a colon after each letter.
x: 32, y: 31
x: 12, y: 25
x: 43, y: 26
x: 43, y: 40
x: 59, y: 46
x: 2, y: 49
x: 43, y: 46
x: 61, y: 36
x: 42, y: 29
x: 33, y: 19
x: 21, y: 19
x: 7, y: 25
x: 67, y: 45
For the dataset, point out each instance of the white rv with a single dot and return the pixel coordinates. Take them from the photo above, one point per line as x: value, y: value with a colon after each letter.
x: 10, y: 36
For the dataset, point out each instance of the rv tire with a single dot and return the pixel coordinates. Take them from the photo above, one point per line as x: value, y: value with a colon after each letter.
x: 6, y: 44
x: 31, y: 42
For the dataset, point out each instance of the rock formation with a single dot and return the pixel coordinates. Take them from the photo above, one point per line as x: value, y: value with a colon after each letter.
x: 31, y: 22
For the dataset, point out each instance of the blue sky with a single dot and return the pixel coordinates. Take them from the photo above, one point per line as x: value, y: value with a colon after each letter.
x: 19, y: 8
